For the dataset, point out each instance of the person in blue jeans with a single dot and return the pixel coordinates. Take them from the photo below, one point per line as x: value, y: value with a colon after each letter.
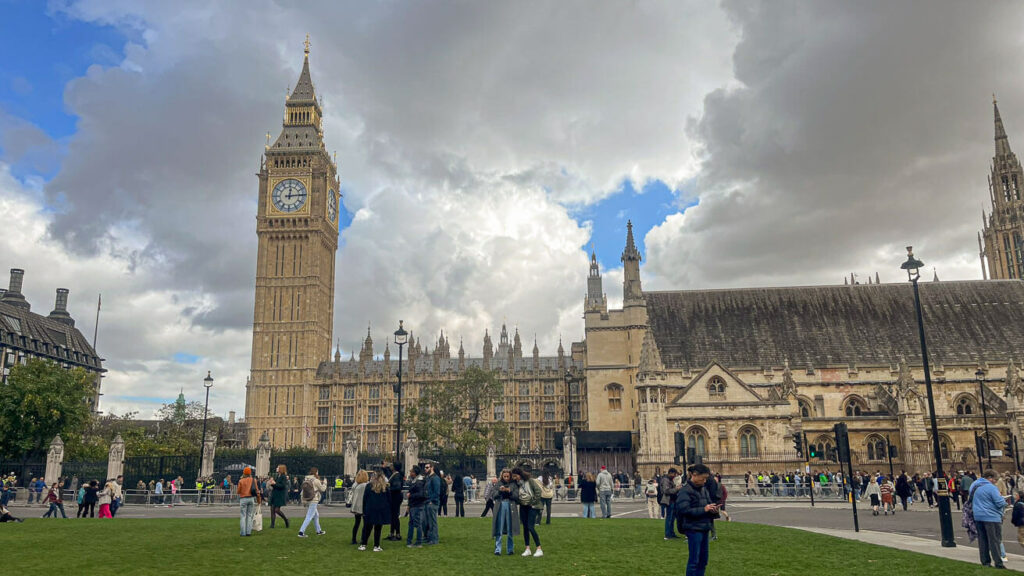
x: 433, y: 483
x: 417, y: 500
x: 989, y: 507
x: 697, y: 510
x: 588, y: 494
x: 669, y: 490
x: 506, y: 513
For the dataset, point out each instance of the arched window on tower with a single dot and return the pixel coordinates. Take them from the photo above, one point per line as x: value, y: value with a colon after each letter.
x: 749, y: 442
x: 614, y: 397
x: 876, y: 447
x: 697, y: 439
x: 716, y: 386
x: 806, y: 411
x: 965, y: 405
x: 855, y: 407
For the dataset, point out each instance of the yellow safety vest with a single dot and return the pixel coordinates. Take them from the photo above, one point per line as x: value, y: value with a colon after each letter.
x: 337, y: 482
x: 199, y: 485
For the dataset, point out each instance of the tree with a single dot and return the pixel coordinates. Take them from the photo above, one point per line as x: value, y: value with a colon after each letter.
x: 455, y: 414
x: 42, y: 399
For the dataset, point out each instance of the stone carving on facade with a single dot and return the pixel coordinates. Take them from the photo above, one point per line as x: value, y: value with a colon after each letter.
x: 54, y: 460
x: 263, y: 456
x: 1014, y: 389
x: 115, y: 459
x: 786, y: 388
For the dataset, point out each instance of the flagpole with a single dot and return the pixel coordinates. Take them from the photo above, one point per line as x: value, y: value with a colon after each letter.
x: 96, y: 327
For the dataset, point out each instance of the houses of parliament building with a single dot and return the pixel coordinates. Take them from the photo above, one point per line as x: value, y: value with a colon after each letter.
x: 740, y: 373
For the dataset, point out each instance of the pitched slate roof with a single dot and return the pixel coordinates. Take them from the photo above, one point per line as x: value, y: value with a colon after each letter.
x: 821, y: 325
x: 17, y: 322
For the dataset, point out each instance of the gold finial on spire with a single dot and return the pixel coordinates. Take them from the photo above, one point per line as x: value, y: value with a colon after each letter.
x: 267, y: 145
x: 993, y: 97
x: 307, y: 44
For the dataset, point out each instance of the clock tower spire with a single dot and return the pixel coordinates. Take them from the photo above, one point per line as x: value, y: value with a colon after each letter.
x: 297, y: 233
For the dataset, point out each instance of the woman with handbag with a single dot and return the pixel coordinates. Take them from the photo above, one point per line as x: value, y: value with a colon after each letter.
x: 529, y: 508
x: 56, y: 502
x: 547, y: 493
x: 358, y: 492
x: 376, y: 510
x: 279, y: 495
x: 248, y: 494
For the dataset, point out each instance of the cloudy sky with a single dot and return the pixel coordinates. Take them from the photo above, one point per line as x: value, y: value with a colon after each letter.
x: 483, y: 148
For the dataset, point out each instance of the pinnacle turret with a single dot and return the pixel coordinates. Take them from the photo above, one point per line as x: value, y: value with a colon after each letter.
x: 1002, y: 142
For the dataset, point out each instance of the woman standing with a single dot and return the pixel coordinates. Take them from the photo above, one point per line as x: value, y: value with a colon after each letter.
x: 875, y: 494
x: 278, y: 495
x: 362, y: 479
x: 56, y: 502
x: 904, y: 489
x: 529, y: 508
x: 376, y: 510
x: 106, y: 496
x: 506, y: 513
x: 446, y: 484
x: 588, y: 495
x: 248, y: 501
x: 547, y: 494
x: 312, y: 488
x: 651, y: 491
x: 459, y: 494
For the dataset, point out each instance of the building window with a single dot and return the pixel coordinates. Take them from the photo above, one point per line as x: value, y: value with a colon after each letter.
x: 614, y: 397
x: 373, y: 441
x: 805, y: 409
x: 348, y: 415
x: 824, y: 447
x: 697, y: 439
x: 323, y: 416
x: 350, y: 393
x: 855, y: 407
x: 373, y: 414
x: 322, y: 439
x: 374, y: 392
x: 524, y: 437
x: 716, y: 386
x: 574, y: 387
x: 574, y: 409
x: 524, y: 388
x: 876, y: 448
x: 549, y: 439
x: 325, y: 392
x: 748, y: 443
x: 499, y: 412
x: 549, y: 411
x: 524, y: 412
x: 965, y: 406
x: 944, y: 446
x: 549, y: 388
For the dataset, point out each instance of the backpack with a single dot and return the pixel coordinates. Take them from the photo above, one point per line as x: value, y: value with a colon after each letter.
x: 547, y: 491
x: 529, y: 495
x: 967, y: 516
x: 308, y: 490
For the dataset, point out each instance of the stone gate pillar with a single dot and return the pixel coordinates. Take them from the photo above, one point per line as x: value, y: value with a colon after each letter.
x: 209, y: 451
x: 54, y: 460
x: 412, y: 451
x: 569, y: 464
x: 263, y: 456
x: 492, y: 462
x: 351, y: 458
x: 115, y: 459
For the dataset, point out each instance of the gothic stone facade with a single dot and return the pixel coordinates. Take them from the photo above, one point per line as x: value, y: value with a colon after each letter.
x: 358, y: 395
x: 1002, y: 255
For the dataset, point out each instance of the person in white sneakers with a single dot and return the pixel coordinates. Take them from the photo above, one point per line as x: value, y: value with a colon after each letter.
x: 312, y: 488
x: 530, y: 505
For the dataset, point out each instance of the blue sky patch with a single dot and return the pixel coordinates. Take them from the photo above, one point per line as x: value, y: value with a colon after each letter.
x: 186, y: 358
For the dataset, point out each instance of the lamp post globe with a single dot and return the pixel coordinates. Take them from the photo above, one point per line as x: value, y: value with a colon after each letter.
x: 401, y: 339
x: 913, y: 267
x: 207, y: 383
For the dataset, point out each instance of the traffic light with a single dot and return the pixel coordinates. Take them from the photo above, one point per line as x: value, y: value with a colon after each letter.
x: 830, y: 454
x: 691, y: 456
x: 798, y: 444
x: 980, y: 445
x: 1008, y: 448
x: 842, y: 441
x: 680, y: 447
x: 813, y: 452
x: 892, y: 451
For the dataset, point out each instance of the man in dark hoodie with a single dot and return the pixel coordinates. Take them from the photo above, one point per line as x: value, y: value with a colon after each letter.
x: 395, y: 482
x: 417, y: 499
x: 696, y: 507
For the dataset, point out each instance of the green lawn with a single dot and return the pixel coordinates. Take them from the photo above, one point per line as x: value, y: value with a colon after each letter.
x: 572, y: 547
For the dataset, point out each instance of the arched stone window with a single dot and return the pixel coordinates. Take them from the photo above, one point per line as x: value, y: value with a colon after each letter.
x: 697, y: 439
x: 716, y: 386
x: 965, y: 405
x: 749, y: 442
x: 614, y: 397
x: 945, y: 446
x: 855, y: 407
x: 876, y: 448
x: 806, y: 410
x: 823, y: 446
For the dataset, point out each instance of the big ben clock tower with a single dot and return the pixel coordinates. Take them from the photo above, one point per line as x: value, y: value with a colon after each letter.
x: 297, y: 229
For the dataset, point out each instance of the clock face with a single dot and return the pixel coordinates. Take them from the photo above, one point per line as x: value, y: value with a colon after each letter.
x: 289, y: 195
x: 332, y: 206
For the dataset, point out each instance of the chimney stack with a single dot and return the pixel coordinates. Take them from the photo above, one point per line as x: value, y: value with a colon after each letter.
x: 60, y: 308
x: 231, y: 417
x: 13, y: 296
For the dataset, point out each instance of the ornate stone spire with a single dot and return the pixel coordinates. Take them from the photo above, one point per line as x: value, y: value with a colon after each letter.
x: 1002, y: 142
x: 632, y: 292
x: 517, y: 347
x: 650, y: 358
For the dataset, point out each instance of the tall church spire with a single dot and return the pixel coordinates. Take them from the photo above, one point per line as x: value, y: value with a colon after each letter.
x: 596, y: 301
x: 632, y: 292
x: 1002, y: 142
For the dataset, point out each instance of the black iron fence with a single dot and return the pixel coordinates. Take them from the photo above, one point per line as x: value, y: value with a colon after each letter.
x: 146, y: 468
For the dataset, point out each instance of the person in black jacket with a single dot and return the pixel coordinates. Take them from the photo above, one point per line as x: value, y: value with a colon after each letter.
x: 904, y: 489
x: 1017, y: 518
x: 395, y: 482
x: 376, y: 510
x: 696, y: 507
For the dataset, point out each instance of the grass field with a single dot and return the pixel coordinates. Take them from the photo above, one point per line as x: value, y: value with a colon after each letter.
x: 572, y: 547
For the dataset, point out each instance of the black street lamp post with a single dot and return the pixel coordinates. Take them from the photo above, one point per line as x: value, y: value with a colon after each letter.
x: 207, y: 383
x: 980, y: 375
x: 888, y: 451
x: 913, y: 268
x: 401, y: 338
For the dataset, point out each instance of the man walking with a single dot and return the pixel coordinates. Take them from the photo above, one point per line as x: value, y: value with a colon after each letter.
x: 395, y: 482
x: 118, y: 499
x: 697, y: 510
x: 989, y: 506
x: 433, y: 501
x: 605, y: 485
x: 417, y: 498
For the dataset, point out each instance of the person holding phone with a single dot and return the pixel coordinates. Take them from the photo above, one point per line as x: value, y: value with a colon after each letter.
x: 696, y: 507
